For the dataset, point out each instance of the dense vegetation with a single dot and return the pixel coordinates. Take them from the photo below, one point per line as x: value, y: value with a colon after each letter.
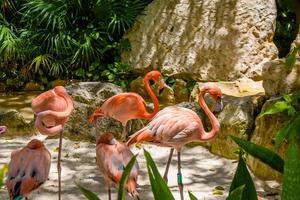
x: 43, y: 40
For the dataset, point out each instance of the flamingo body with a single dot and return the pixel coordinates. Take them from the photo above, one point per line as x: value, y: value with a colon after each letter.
x: 112, y: 157
x: 28, y: 169
x: 3, y: 129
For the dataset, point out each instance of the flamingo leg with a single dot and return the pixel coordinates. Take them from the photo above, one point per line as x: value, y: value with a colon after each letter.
x: 179, y: 176
x: 168, y: 165
x: 59, y: 165
x: 109, y: 193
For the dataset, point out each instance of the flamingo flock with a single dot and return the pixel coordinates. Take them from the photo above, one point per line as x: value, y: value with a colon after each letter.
x: 171, y: 127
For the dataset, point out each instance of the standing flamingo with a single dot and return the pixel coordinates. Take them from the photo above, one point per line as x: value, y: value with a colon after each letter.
x: 126, y: 106
x: 175, y: 126
x: 28, y: 169
x: 52, y: 109
x: 3, y: 129
x: 112, y: 157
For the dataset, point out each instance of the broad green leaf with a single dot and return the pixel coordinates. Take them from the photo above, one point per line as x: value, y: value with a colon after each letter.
x: 192, y: 197
x: 159, y: 187
x: 291, y: 176
x: 87, y: 193
x: 263, y: 154
x: 282, y: 134
x: 3, y: 171
x: 291, y: 58
x: 236, y: 194
x: 278, y: 107
x: 242, y: 177
x: 125, y: 175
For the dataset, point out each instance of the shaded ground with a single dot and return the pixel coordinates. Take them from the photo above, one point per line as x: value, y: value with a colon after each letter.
x: 202, y: 171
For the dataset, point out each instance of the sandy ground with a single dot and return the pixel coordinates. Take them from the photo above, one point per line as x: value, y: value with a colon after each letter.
x: 202, y: 171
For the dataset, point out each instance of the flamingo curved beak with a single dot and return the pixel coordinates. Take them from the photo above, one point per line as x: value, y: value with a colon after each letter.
x: 219, y: 105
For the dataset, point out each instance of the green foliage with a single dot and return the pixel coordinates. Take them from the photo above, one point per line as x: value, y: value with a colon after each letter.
x: 87, y: 193
x: 67, y: 38
x: 242, y: 178
x: 125, y: 175
x: 159, y: 187
x: 3, y: 171
x: 291, y: 58
x: 236, y: 194
x: 265, y: 155
x: 192, y: 197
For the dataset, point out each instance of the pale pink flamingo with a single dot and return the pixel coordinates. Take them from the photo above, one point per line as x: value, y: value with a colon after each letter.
x: 126, y: 106
x: 112, y: 157
x: 3, y: 129
x: 28, y: 169
x: 175, y: 126
x: 52, y: 109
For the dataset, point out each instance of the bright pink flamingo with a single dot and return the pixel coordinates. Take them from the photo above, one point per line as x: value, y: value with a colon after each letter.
x: 126, y: 106
x: 28, y: 169
x: 175, y: 126
x: 3, y: 129
x: 52, y: 109
x: 112, y: 157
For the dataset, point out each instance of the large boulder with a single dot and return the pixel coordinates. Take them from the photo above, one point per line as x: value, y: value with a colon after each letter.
x: 207, y: 40
x: 266, y: 128
x: 16, y: 123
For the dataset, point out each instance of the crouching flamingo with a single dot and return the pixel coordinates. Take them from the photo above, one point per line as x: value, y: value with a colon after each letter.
x: 112, y: 157
x: 126, y: 106
x: 28, y: 169
x: 175, y: 126
x: 3, y: 129
x: 52, y: 109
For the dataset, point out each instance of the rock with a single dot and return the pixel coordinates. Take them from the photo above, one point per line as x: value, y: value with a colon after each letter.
x: 167, y: 98
x: 32, y: 86
x: 87, y: 97
x: 238, y: 88
x: 265, y: 131
x: 203, y: 40
x: 16, y: 124
x: 138, y: 86
x: 58, y: 82
x: 180, y: 91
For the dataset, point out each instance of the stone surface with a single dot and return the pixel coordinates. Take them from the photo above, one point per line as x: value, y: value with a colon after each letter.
x: 204, y: 40
x: 17, y: 125
x: 59, y: 82
x: 265, y: 131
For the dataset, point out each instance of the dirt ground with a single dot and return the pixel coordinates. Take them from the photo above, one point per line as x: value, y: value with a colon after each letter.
x: 202, y: 172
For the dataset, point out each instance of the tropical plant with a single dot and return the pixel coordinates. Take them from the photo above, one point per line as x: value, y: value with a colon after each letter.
x: 67, y: 38
x: 3, y: 171
x: 289, y: 106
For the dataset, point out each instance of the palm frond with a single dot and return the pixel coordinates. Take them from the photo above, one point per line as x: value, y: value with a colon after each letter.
x: 41, y: 62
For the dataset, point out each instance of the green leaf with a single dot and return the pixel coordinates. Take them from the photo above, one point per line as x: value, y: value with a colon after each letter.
x: 291, y: 176
x: 278, y: 107
x: 282, y: 134
x: 125, y: 175
x: 159, y: 187
x: 263, y: 154
x: 87, y: 193
x: 3, y: 171
x: 242, y: 177
x: 192, y: 197
x: 236, y: 194
x: 291, y: 58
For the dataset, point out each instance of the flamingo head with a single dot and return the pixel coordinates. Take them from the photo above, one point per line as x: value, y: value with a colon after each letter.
x: 158, y: 79
x: 35, y: 144
x: 216, y: 94
x: 3, y: 129
x: 97, y: 113
x: 107, y: 138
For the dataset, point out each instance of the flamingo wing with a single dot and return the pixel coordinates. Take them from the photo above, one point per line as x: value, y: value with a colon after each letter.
x: 172, y: 124
x: 28, y: 169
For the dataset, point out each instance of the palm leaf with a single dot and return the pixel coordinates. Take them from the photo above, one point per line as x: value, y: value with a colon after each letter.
x: 3, y: 171
x: 192, y: 197
x: 87, y: 193
x: 236, y: 194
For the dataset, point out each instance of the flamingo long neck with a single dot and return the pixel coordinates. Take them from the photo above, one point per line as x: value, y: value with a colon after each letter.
x: 215, y: 125
x: 153, y: 97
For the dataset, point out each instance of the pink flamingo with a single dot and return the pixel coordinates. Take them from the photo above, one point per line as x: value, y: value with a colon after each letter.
x: 28, y: 169
x: 112, y: 157
x: 126, y: 106
x: 52, y: 109
x: 3, y: 129
x: 175, y: 126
